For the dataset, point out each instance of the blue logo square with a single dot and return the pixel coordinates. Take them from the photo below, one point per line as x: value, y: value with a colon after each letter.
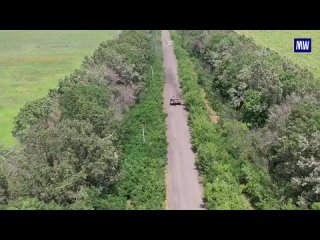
x: 302, y: 45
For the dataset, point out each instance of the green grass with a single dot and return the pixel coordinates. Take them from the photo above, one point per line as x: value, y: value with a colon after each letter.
x: 32, y: 62
x: 282, y: 42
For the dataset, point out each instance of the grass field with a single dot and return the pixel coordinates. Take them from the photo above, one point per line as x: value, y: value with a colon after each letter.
x: 282, y: 42
x: 32, y: 62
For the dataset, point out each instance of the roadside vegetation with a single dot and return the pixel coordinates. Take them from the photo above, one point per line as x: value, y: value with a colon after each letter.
x: 77, y: 146
x: 264, y: 148
x: 98, y: 140
x: 142, y: 183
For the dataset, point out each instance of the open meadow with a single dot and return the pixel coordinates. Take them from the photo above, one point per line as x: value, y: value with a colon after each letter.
x: 33, y: 61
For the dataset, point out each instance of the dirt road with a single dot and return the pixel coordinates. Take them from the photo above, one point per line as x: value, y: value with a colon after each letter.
x: 184, y: 192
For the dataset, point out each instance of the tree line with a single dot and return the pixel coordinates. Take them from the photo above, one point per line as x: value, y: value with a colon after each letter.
x: 268, y: 135
x: 73, y: 141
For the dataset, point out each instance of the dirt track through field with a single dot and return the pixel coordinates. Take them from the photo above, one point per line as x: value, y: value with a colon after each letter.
x: 184, y: 190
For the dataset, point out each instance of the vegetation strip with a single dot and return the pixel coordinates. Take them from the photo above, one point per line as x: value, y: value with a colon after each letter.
x: 144, y: 157
x: 222, y: 149
x: 269, y: 123
x: 77, y: 145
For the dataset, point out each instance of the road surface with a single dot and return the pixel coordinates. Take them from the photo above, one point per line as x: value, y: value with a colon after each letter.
x: 184, y: 191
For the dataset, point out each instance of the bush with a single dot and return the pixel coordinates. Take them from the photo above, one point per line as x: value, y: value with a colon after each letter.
x: 316, y: 206
x: 89, y: 102
x: 61, y: 160
x: 143, y: 167
x: 4, y: 194
x: 25, y: 203
x: 254, y: 110
x: 295, y: 153
x: 31, y: 114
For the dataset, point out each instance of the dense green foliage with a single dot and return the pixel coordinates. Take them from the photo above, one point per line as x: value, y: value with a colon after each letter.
x: 76, y: 142
x: 293, y: 152
x: 221, y: 159
x: 250, y: 78
x: 143, y: 166
x: 269, y: 130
